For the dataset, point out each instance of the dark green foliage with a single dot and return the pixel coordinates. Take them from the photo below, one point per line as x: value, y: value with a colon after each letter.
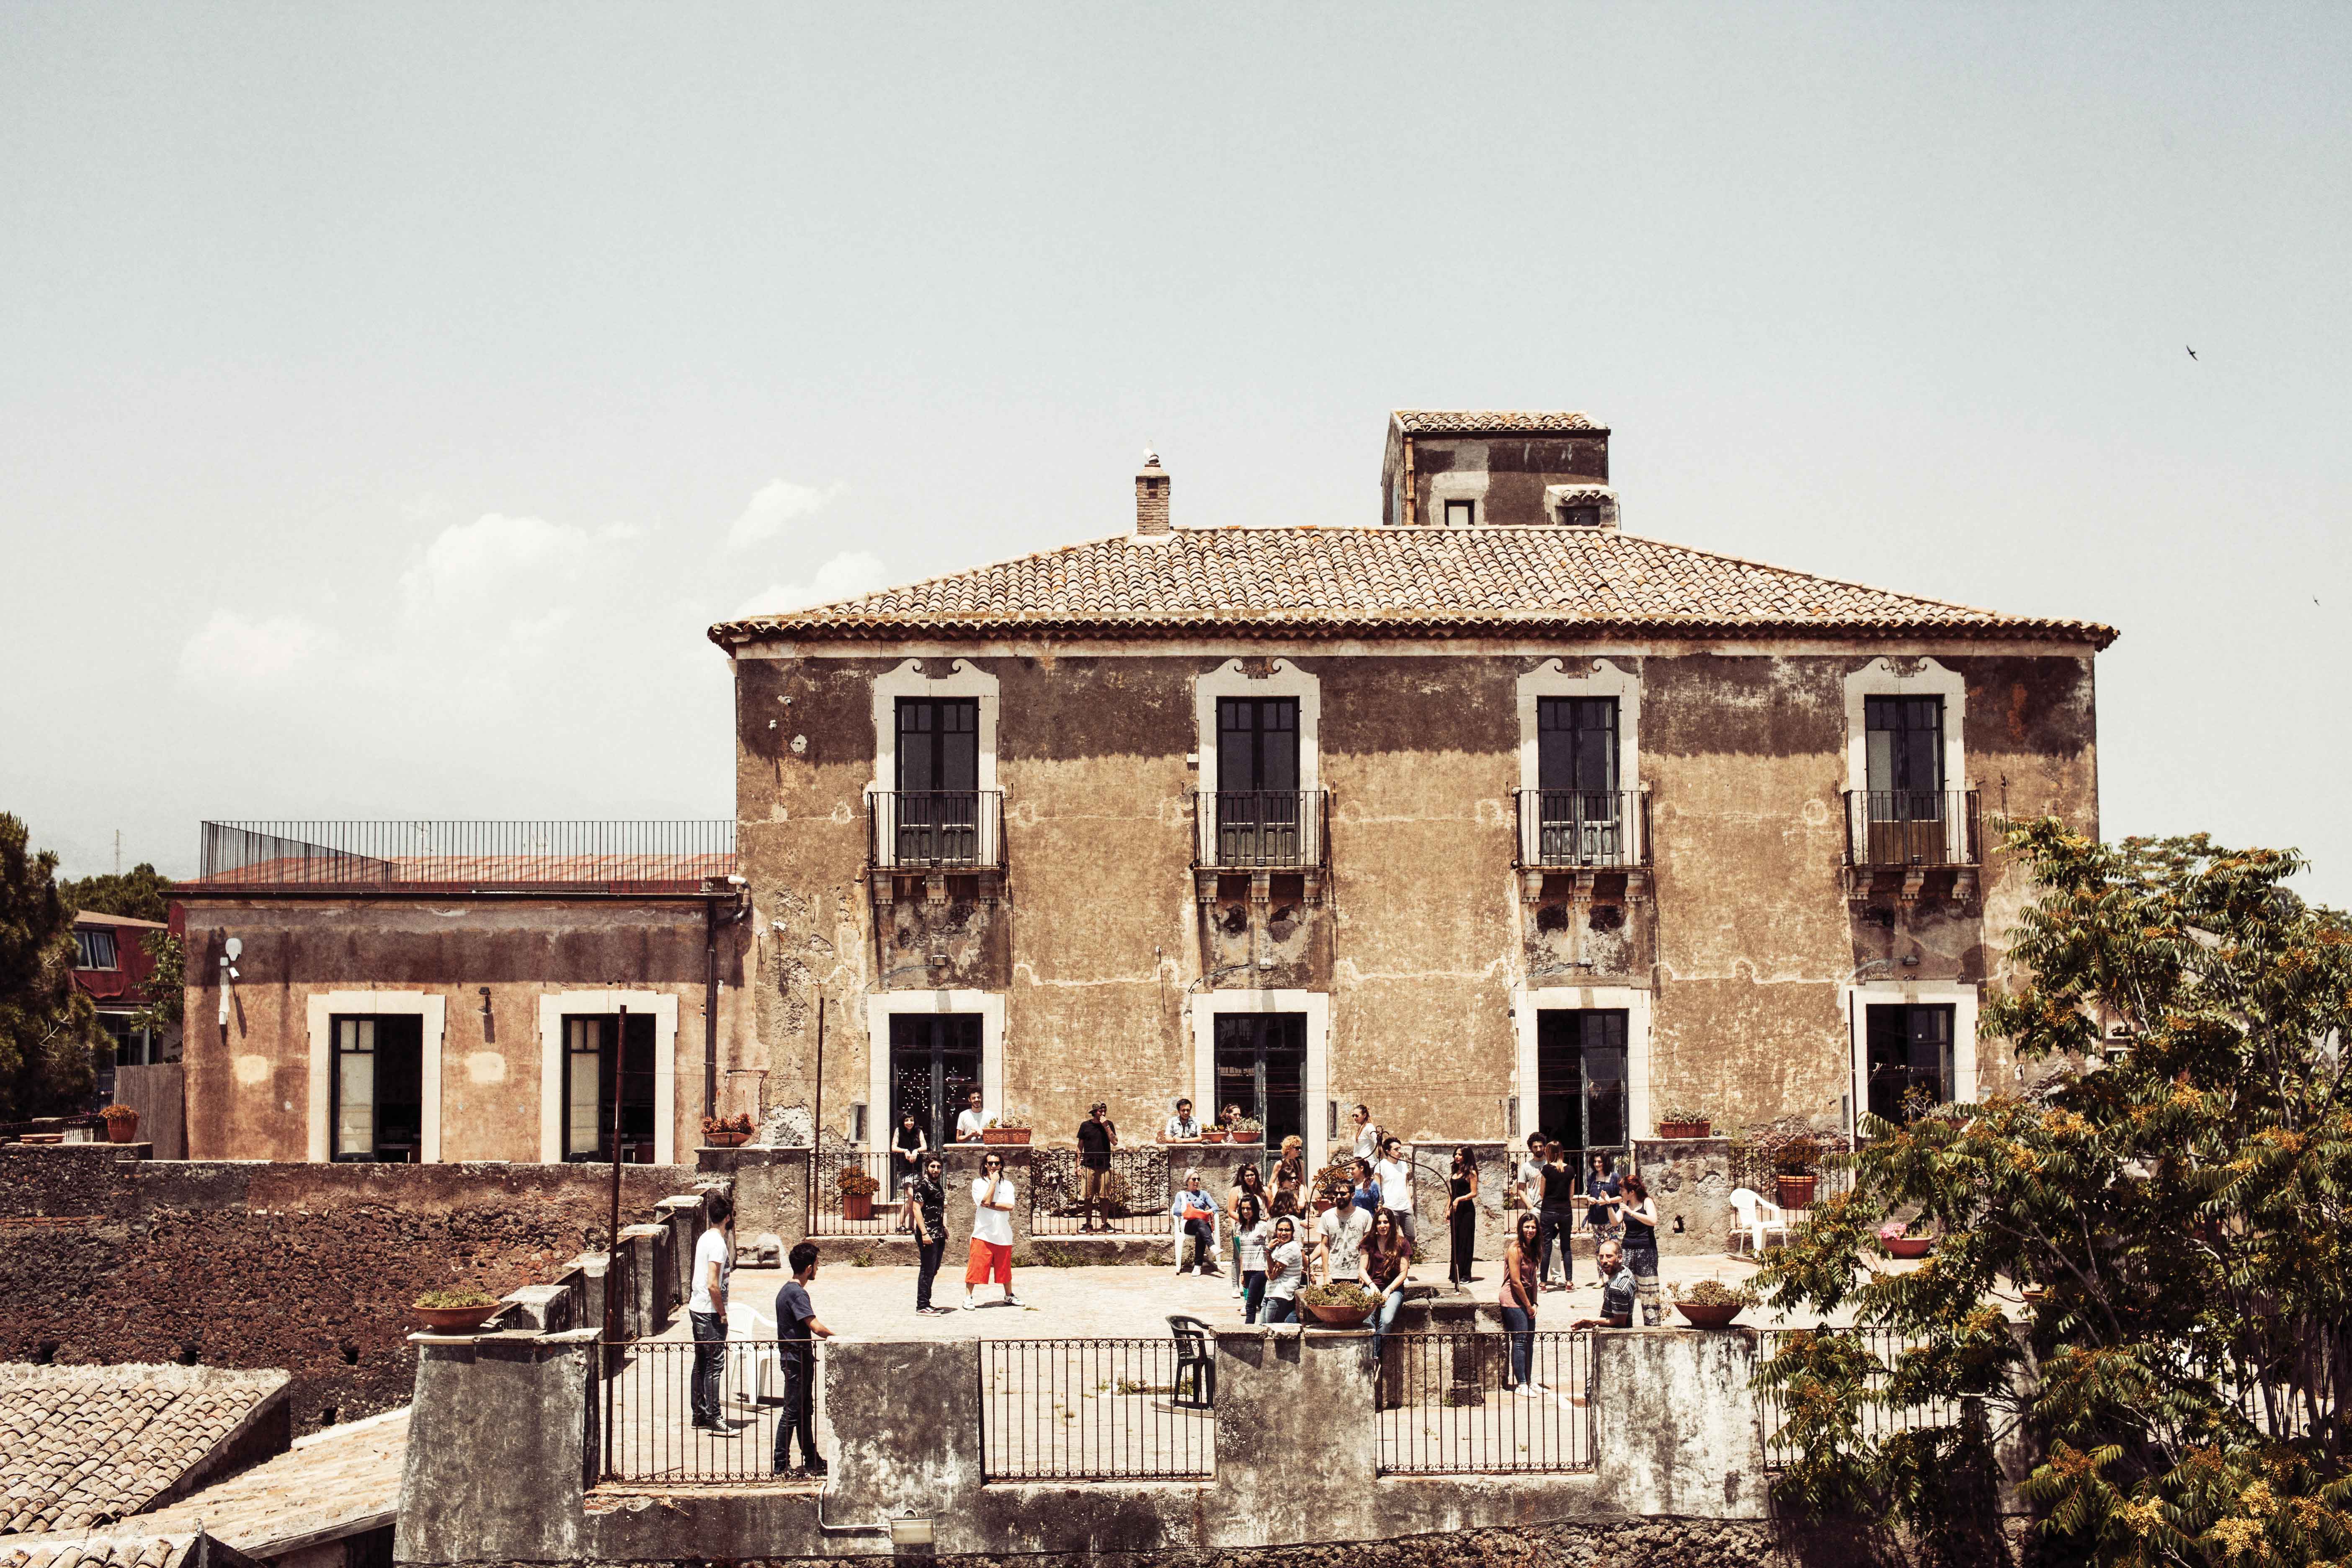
x: 48, y: 1030
x: 142, y: 893
x: 2184, y: 1210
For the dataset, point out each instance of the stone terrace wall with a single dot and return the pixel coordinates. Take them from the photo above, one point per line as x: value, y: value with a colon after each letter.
x: 107, y: 1257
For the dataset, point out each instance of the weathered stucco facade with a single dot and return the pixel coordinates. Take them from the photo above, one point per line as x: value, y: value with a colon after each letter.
x: 1420, y: 951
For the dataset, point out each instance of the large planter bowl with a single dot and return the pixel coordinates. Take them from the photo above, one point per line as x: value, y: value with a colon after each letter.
x: 1214, y: 1136
x: 1705, y: 1317
x: 725, y: 1140
x: 1005, y: 1135
x: 1337, y: 1317
x: 1910, y: 1245
x: 1797, y: 1191
x: 1249, y: 1137
x: 122, y: 1130
x: 455, y: 1319
x: 1685, y: 1129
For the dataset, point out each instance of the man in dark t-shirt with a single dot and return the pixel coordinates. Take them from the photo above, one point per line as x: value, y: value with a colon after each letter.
x: 798, y: 1330
x: 1096, y: 1137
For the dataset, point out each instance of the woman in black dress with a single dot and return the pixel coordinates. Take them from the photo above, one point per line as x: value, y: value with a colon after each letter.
x: 908, y: 1147
x: 1462, y: 1214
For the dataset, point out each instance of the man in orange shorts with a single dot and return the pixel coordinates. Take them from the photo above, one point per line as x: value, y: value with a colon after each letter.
x: 991, y: 1231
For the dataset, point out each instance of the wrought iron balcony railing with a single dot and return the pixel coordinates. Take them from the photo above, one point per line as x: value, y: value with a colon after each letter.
x: 1238, y: 830
x: 1886, y: 828
x: 490, y: 856
x: 1583, y: 830
x: 935, y: 830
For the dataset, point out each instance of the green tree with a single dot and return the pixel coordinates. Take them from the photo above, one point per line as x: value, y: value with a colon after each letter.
x: 142, y: 893
x: 48, y: 1030
x: 2182, y: 1212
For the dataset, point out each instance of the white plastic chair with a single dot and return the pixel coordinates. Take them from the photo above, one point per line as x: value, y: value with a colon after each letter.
x: 1758, y: 1217
x: 1216, y: 1230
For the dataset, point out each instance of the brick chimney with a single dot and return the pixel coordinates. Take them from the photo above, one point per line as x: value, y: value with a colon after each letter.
x: 1151, y: 499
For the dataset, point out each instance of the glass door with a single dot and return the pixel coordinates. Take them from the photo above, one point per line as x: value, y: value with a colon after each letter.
x: 1903, y: 763
x: 1257, y: 781
x: 1262, y: 1068
x: 589, y: 1065
x: 1581, y: 1080
x: 939, y: 780
x: 934, y: 1067
x: 1575, y: 780
x: 1910, y: 1053
x: 378, y: 1088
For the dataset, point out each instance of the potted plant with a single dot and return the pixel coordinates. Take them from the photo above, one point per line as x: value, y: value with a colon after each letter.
x: 1342, y: 1304
x: 455, y: 1311
x: 1682, y: 1122
x: 1248, y: 1130
x: 121, y: 1124
x: 858, y: 1190
x: 1710, y: 1304
x: 1795, y: 1166
x: 1896, y: 1238
x: 998, y: 1132
x: 726, y: 1131
x: 1212, y: 1134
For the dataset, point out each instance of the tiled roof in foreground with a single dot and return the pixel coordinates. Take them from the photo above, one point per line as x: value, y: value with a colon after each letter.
x: 85, y: 1445
x: 1490, y: 421
x: 1374, y: 583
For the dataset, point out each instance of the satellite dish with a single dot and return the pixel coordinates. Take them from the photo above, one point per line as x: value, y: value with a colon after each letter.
x: 236, y: 949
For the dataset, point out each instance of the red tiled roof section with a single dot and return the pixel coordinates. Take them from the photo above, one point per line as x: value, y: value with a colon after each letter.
x: 1489, y: 421
x: 1372, y: 583
x: 85, y: 1445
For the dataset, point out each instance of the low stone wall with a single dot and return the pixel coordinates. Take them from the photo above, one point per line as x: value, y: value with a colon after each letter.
x: 105, y: 1256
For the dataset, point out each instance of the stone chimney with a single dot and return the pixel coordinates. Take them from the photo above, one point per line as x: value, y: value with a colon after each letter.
x: 1151, y: 499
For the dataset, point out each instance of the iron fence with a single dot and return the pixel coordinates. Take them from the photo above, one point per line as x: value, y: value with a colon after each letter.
x: 1097, y: 1410
x: 935, y: 830
x: 1751, y: 1167
x: 648, y: 1431
x: 1485, y: 1404
x: 1255, y: 829
x: 1877, y: 1422
x: 635, y: 856
x: 1890, y: 828
x: 853, y: 1192
x: 1136, y: 1198
x: 1577, y: 829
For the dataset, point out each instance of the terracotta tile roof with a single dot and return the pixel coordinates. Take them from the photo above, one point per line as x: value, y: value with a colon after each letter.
x: 1372, y: 583
x: 1484, y: 421
x: 119, y: 1550
x: 81, y: 1446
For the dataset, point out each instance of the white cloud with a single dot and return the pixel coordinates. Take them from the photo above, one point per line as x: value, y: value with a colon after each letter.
x: 846, y: 576
x: 467, y: 561
x: 230, y: 648
x: 776, y: 504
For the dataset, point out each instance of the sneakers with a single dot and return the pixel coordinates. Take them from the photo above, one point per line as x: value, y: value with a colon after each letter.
x: 969, y: 1303
x: 1011, y: 1300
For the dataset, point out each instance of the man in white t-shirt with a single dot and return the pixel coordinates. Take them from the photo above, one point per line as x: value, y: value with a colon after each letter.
x: 990, y: 1255
x: 1341, y: 1233
x: 706, y: 1308
x: 970, y: 1122
x: 1395, y: 1173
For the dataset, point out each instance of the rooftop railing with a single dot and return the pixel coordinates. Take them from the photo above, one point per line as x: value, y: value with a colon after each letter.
x: 618, y: 857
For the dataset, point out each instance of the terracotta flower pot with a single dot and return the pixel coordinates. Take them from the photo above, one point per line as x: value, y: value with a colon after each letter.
x: 1005, y: 1135
x: 1797, y: 1191
x: 1215, y: 1135
x: 1685, y: 1129
x: 1337, y: 1317
x: 1706, y: 1316
x: 1910, y: 1245
x: 726, y: 1140
x: 122, y: 1129
x: 857, y: 1205
x: 1249, y: 1137
x: 455, y: 1319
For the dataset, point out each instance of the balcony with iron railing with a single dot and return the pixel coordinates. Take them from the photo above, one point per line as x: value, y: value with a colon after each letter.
x: 924, y: 832
x: 248, y: 859
x: 1583, y: 830
x: 1258, y: 830
x: 1901, y: 829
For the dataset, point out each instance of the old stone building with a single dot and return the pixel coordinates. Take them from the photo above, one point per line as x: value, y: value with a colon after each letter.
x: 1492, y: 813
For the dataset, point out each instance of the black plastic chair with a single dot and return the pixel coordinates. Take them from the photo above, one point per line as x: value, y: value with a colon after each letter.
x: 1195, y: 1386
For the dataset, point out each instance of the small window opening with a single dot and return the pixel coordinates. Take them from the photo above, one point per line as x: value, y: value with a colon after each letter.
x: 1581, y: 516
x: 93, y: 949
x: 1461, y: 513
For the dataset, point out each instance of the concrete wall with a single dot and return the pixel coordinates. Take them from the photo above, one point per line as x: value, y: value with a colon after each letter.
x: 107, y: 1257
x: 496, y: 1456
x: 1742, y: 951
x: 249, y: 1081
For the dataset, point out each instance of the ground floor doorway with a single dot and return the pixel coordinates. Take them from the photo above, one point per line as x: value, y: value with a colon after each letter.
x: 594, y: 1053
x: 378, y: 1088
x: 1581, y: 1082
x: 934, y: 1069
x: 1909, y: 1063
x: 1261, y: 1067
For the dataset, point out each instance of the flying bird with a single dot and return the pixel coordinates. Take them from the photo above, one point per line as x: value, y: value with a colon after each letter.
x: 2193, y: 353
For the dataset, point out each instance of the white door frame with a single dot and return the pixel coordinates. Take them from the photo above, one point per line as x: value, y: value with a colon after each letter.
x: 1961, y: 996
x: 1315, y: 1114
x: 1636, y: 1002
x: 884, y: 1006
x: 321, y: 1008
x: 553, y: 1006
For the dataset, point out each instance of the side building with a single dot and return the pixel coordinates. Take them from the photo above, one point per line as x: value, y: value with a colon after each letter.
x: 1493, y: 815
x: 418, y: 992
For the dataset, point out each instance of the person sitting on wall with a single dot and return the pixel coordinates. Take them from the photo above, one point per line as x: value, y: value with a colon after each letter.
x: 970, y: 1122
x: 1198, y: 1212
x: 797, y: 1330
x: 1096, y: 1139
x: 1618, y: 1289
x: 1181, y: 1127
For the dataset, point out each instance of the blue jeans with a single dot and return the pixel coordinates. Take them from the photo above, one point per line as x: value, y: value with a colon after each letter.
x: 1383, y: 1319
x: 1252, y: 1294
x: 709, y: 1352
x: 1520, y: 1325
x: 1282, y: 1309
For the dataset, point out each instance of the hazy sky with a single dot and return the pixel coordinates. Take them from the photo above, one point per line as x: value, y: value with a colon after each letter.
x: 389, y: 396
